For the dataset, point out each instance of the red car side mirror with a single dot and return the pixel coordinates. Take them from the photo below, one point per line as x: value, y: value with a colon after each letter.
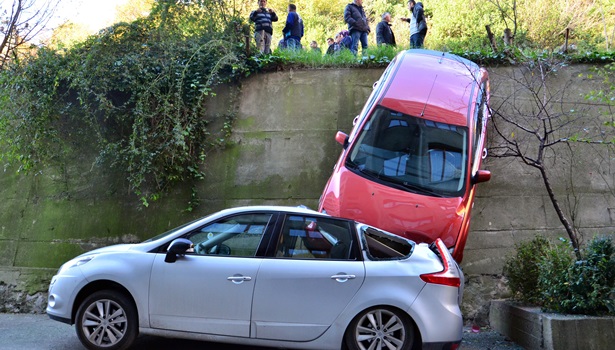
x: 481, y: 176
x: 342, y: 139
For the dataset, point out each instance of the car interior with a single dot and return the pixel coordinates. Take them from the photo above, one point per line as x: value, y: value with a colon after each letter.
x: 311, y: 238
x: 236, y: 236
x: 413, y: 151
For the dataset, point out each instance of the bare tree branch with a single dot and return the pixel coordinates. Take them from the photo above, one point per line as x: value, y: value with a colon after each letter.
x: 21, y: 23
x: 533, y: 121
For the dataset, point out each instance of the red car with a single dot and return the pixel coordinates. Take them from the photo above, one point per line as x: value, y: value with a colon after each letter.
x: 412, y: 160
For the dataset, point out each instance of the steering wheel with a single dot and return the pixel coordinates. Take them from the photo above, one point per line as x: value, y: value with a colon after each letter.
x: 198, y: 248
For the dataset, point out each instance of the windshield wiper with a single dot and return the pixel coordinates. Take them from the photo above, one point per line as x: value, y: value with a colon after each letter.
x: 416, y: 188
x: 402, y: 185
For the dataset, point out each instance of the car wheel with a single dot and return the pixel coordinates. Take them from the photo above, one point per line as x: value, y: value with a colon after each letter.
x: 107, y: 320
x: 380, y: 328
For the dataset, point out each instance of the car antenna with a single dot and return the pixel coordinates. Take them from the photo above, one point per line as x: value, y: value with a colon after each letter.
x: 428, y: 96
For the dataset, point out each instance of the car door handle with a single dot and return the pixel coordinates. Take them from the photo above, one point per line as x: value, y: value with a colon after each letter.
x: 238, y: 279
x: 343, y: 278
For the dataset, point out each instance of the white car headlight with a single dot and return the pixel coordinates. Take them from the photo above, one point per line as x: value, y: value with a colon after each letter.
x: 75, y: 262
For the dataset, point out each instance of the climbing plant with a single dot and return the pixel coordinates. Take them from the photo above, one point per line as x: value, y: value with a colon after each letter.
x: 139, y: 90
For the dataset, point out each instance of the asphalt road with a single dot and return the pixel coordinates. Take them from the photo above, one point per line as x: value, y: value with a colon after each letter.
x: 38, y: 332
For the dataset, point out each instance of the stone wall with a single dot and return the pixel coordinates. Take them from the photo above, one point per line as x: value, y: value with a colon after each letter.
x: 282, y: 152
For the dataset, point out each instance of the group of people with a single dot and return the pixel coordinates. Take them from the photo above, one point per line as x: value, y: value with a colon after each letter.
x: 355, y: 18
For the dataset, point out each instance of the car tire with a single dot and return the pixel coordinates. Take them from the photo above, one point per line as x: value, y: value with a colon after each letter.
x: 391, y: 328
x: 107, y: 320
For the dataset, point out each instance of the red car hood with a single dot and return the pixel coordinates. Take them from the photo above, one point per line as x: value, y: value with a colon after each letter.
x: 417, y: 217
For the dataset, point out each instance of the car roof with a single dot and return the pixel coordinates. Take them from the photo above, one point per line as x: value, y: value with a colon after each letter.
x: 434, y: 85
x: 276, y: 208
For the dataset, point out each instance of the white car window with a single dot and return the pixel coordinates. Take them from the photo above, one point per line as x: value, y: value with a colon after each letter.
x: 235, y: 236
x: 315, y: 238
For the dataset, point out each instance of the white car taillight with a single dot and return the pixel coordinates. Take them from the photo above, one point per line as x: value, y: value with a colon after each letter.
x: 450, y: 275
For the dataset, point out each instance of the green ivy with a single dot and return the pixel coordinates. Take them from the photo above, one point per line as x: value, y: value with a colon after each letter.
x: 138, y: 91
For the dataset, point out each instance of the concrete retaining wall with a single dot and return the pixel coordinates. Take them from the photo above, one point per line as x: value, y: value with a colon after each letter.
x: 282, y: 153
x: 535, y: 330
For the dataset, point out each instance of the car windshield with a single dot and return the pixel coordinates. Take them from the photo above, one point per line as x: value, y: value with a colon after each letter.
x: 412, y: 154
x: 173, y: 230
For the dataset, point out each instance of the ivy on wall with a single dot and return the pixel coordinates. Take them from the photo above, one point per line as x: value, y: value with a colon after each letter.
x: 137, y: 91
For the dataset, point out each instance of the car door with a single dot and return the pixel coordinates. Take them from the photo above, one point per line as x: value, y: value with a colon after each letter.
x: 310, y: 281
x: 210, y: 290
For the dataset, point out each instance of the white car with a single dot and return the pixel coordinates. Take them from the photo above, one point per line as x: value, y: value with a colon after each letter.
x: 265, y: 276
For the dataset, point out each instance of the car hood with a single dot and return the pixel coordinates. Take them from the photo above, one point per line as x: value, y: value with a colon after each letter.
x: 417, y: 217
x: 112, y: 249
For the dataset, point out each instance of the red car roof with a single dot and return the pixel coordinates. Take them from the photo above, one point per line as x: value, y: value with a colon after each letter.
x: 452, y: 78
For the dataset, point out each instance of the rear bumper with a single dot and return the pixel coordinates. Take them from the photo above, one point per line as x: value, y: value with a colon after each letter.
x: 442, y: 346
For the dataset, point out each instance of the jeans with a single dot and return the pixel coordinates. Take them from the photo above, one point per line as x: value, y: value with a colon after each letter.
x: 293, y: 44
x: 263, y: 41
x: 416, y: 40
x: 356, y: 37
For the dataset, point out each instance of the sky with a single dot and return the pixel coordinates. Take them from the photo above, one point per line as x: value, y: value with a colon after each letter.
x: 95, y: 14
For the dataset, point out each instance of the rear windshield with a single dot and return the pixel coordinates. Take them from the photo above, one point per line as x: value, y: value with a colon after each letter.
x: 382, y: 245
x: 411, y: 154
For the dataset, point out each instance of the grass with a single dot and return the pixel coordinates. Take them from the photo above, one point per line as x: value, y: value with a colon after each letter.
x: 372, y: 57
x: 381, y: 56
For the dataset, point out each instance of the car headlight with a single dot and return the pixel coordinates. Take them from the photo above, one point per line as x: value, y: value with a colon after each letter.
x: 76, y: 262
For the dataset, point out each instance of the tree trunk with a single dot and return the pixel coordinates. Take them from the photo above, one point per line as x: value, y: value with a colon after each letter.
x: 560, y: 213
x: 491, y: 38
x: 508, y: 37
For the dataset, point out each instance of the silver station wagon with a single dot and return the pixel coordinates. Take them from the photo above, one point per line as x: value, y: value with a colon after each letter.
x: 265, y: 276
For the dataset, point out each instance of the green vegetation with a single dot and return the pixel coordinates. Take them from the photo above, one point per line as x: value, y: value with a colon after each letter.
x: 548, y: 275
x: 137, y: 91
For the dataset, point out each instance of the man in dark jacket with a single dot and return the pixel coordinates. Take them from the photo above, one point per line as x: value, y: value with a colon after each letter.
x: 384, y: 34
x: 262, y: 18
x: 418, y: 25
x: 293, y: 31
x: 358, y: 26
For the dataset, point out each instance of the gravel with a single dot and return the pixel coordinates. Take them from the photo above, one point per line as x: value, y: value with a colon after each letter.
x: 486, y: 338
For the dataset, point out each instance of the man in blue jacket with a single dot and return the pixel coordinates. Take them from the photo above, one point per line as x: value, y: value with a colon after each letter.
x: 263, y: 18
x: 293, y: 31
x: 354, y: 16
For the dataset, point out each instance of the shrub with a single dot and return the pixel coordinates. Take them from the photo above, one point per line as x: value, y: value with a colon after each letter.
x: 522, y: 269
x: 585, y: 286
x: 548, y: 275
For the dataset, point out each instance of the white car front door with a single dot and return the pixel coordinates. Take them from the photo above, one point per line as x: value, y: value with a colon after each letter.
x: 210, y: 290
x: 204, y: 294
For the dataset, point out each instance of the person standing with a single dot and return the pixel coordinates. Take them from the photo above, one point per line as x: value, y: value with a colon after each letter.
x: 355, y: 17
x: 418, y: 25
x: 293, y: 31
x: 384, y: 33
x: 263, y: 30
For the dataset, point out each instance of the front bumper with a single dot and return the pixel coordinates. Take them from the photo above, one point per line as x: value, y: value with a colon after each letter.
x: 62, y: 292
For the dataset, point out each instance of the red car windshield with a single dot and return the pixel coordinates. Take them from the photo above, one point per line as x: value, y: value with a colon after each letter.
x: 412, y: 154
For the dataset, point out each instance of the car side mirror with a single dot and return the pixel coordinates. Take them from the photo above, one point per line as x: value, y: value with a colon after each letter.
x: 177, y: 247
x: 481, y: 176
x: 342, y: 139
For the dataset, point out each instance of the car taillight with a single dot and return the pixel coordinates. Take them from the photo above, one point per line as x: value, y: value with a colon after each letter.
x: 450, y: 275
